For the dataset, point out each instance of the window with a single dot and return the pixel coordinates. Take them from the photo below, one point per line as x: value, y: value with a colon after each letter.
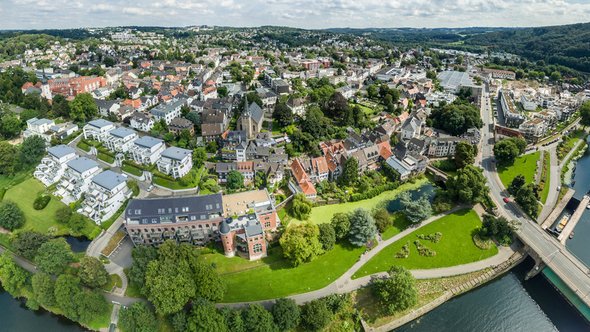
x: 185, y: 209
x: 267, y: 224
x: 257, y: 248
x: 137, y: 211
x: 161, y: 211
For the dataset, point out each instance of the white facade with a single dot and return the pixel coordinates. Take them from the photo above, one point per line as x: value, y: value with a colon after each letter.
x: 119, y: 139
x: 106, y: 193
x: 76, y: 179
x: 142, y: 122
x: 97, y: 129
x: 175, y: 162
x: 147, y: 150
x: 53, y: 166
x: 39, y: 127
x: 168, y: 111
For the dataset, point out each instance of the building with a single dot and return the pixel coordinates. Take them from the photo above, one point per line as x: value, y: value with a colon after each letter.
x: 76, y: 179
x: 146, y: 150
x: 407, y: 165
x: 454, y: 81
x: 443, y: 146
x: 39, y: 127
x: 141, y: 121
x: 97, y: 129
x: 177, y: 125
x: 534, y: 129
x: 191, y: 219
x: 301, y: 182
x: 53, y: 166
x: 119, y: 139
x: 512, y: 117
x: 500, y: 74
x: 175, y: 162
x: 168, y: 111
x: 105, y: 195
x: 251, y: 119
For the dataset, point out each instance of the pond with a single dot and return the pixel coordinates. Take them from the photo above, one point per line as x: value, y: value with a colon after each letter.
x: 78, y: 244
x: 428, y: 190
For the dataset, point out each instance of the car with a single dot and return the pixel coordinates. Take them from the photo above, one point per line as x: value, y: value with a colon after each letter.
x: 150, y: 188
x: 506, y: 200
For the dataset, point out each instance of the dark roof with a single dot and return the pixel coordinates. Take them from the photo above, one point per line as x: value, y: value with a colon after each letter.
x: 166, y: 209
x: 122, y: 132
x: 253, y: 229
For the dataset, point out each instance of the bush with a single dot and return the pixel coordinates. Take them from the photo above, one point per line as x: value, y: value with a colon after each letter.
x: 63, y: 215
x: 404, y: 252
x: 434, y: 238
x: 41, y: 202
x: 423, y: 250
x: 11, y: 216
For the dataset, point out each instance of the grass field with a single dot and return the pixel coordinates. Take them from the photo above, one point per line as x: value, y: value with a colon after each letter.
x: 456, y: 246
x: 24, y: 195
x: 105, y: 157
x: 132, y: 169
x: 323, y: 214
x: 400, y: 222
x: 525, y: 165
x: 274, y: 277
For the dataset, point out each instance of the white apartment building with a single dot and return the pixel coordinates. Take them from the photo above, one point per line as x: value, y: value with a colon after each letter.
x: 119, y: 139
x: 533, y: 129
x: 53, y: 166
x: 141, y: 121
x: 97, y: 129
x: 39, y: 127
x: 106, y: 193
x: 175, y: 162
x: 76, y: 179
x: 147, y: 150
x: 168, y: 111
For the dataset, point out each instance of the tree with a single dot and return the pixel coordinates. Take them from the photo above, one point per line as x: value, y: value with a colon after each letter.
x: 398, y: 291
x: 92, y: 272
x: 27, y: 243
x: 341, y: 223
x: 301, y: 206
x: 179, y: 321
x: 67, y: 287
x: 282, y: 114
x: 585, y: 113
x: 327, y: 236
x: 527, y: 198
x: 11, y: 216
x: 416, y: 210
x: 456, y: 118
x: 83, y: 108
x: 516, y: 184
x: 60, y: 106
x: 138, y: 317
x: 499, y: 228
x: 204, y: 317
x: 90, y: 304
x: 468, y: 186
x: 169, y: 284
x: 199, y: 157
x: 235, y: 180
x: 382, y: 219
x: 32, y: 150
x: 315, y: 315
x: 12, y: 276
x: 54, y: 256
x: 209, y: 284
x: 10, y: 125
x: 63, y: 214
x: 350, y: 172
x: 258, y: 319
x: 141, y: 255
x: 286, y: 314
x: 362, y: 227
x: 8, y: 158
x: 301, y: 243
x: 465, y: 154
x: 43, y: 288
x: 260, y: 180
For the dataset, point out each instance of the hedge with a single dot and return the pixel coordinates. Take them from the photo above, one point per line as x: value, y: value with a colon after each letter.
x: 41, y: 202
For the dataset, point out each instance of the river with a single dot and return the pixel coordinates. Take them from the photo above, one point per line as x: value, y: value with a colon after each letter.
x: 506, y: 304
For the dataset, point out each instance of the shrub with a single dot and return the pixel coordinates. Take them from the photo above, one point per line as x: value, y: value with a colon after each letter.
x: 434, y: 237
x: 41, y: 202
x: 404, y: 252
x: 11, y: 216
x: 423, y: 250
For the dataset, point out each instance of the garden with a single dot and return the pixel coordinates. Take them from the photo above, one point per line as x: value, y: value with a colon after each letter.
x: 525, y: 165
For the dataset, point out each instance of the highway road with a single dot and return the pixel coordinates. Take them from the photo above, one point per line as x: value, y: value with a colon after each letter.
x: 568, y: 267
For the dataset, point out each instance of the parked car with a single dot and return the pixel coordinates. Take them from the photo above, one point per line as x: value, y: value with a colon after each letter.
x: 506, y: 200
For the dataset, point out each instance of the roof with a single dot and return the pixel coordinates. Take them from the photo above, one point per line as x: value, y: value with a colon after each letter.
x: 100, y: 123
x: 253, y: 229
x: 254, y: 112
x: 109, y: 179
x: 122, y: 132
x: 454, y: 79
x: 240, y: 203
x: 82, y: 164
x: 148, y: 141
x: 38, y: 122
x: 166, y: 209
x: 176, y: 153
x: 60, y: 151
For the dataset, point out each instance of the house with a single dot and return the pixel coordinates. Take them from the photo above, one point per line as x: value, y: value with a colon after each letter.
x: 300, y: 182
x: 177, y: 125
x: 76, y: 179
x: 408, y: 165
x: 53, y: 166
x: 533, y: 129
x: 168, y: 111
x: 106, y: 107
x: 443, y: 146
x: 146, y: 150
x: 296, y: 105
x: 234, y: 145
x: 190, y: 219
x: 119, y: 139
x: 39, y: 127
x: 214, y: 123
x: 97, y: 129
x: 411, y: 128
x: 175, y: 162
x: 251, y: 119
x: 105, y: 195
x: 346, y: 91
x: 141, y: 121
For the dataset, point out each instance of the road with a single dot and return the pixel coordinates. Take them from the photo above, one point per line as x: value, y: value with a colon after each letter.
x: 571, y: 270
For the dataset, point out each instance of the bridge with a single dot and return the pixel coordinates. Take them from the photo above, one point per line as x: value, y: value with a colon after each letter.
x: 438, y: 174
x: 543, y: 247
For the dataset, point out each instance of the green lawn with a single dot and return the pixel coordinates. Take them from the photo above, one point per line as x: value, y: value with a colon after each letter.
x: 456, y: 246
x: 525, y: 165
x: 446, y: 165
x: 400, y: 222
x: 273, y: 277
x: 105, y: 157
x: 82, y: 145
x: 176, y: 184
x: 24, y: 195
x: 132, y: 169
x: 323, y: 214
x: 7, y: 181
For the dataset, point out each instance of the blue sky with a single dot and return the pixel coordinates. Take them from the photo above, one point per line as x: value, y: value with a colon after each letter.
x: 39, y: 14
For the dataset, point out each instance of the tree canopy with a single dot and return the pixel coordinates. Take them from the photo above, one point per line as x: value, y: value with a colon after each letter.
x: 362, y: 227
x: 456, y: 118
x: 469, y: 185
x: 398, y: 291
x: 11, y: 216
x: 301, y: 243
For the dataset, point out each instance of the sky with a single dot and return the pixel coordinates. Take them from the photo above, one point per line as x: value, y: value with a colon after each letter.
x: 312, y: 14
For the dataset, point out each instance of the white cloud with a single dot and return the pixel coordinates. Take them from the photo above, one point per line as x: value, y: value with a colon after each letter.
x: 25, y: 14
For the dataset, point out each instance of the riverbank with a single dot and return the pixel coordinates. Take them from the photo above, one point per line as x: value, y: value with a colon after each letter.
x: 475, y: 280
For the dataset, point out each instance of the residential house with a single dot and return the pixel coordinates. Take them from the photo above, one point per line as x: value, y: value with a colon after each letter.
x: 141, y: 121
x: 168, y: 111
x: 76, y: 179
x: 296, y: 105
x: 97, y: 129
x: 53, y: 166
x: 177, y: 125
x: 300, y: 181
x: 534, y: 129
x: 146, y: 150
x: 175, y: 162
x: 39, y: 127
x: 105, y: 195
x: 119, y: 139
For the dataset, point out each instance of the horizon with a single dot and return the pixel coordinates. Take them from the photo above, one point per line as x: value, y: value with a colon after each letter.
x: 303, y: 14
